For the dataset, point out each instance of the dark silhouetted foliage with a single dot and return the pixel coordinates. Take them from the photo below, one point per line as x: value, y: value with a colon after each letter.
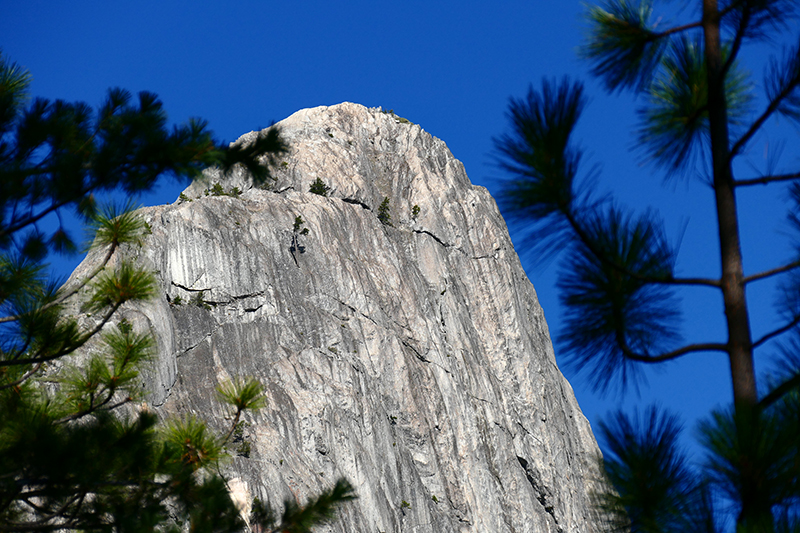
x: 70, y: 457
x: 618, y: 280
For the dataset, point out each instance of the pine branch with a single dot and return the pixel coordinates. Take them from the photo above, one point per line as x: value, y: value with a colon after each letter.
x: 744, y: 21
x: 772, y: 272
x: 95, y: 407
x: 680, y: 29
x: 317, y: 510
x: 767, y: 179
x: 64, y: 350
x: 771, y: 108
x: 227, y: 436
x: 779, y: 392
x: 48, y: 516
x: 624, y: 49
x: 585, y: 239
x: 772, y: 334
x: 643, y: 461
x: 786, y: 87
x: 73, y: 525
x: 24, y: 378
x: 734, y: 52
x: 674, y: 354
x: 32, y: 218
x: 62, y: 298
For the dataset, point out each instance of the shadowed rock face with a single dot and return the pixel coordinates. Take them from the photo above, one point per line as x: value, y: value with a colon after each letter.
x: 413, y: 359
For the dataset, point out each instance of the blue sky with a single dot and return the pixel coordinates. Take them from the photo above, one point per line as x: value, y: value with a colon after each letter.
x: 448, y: 66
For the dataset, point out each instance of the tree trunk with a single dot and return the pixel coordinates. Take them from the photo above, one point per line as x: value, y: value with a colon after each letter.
x: 740, y: 345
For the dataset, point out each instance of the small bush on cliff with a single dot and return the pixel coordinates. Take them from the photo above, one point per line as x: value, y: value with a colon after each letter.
x: 199, y: 299
x: 298, y: 226
x: 319, y: 187
x: 398, y: 118
x: 217, y: 190
x: 297, y: 231
x: 384, y: 212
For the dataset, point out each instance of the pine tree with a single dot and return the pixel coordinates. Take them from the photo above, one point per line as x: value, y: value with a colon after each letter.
x: 319, y: 187
x: 75, y: 452
x: 385, y: 212
x: 618, y: 283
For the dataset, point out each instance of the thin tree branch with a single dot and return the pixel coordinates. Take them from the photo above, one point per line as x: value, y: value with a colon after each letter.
x: 24, y: 378
x: 96, y: 485
x: 737, y: 44
x: 72, y: 525
x: 775, y: 333
x: 678, y: 29
x: 731, y: 7
x: 707, y: 282
x: 233, y: 426
x: 50, y: 515
x: 32, y: 218
x: 674, y: 354
x: 671, y: 280
x: 767, y: 179
x: 72, y: 347
x: 779, y: 391
x: 772, y: 272
x: 62, y: 298
x: 97, y: 407
x: 771, y: 108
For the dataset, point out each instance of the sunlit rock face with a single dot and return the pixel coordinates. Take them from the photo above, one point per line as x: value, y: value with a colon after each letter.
x: 412, y: 359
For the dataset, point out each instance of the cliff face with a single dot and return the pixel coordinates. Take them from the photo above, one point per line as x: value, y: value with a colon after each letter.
x: 413, y: 359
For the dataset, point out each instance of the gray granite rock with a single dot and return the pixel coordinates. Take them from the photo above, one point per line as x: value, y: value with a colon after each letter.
x: 413, y: 359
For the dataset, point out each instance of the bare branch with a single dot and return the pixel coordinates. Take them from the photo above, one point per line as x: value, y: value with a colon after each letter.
x: 780, y: 391
x: 772, y: 272
x: 767, y: 179
x: 233, y: 426
x: 680, y: 29
x: 46, y: 522
x: 32, y: 218
x: 768, y: 112
x: 708, y: 282
x: 737, y: 44
x: 775, y: 333
x: 674, y: 354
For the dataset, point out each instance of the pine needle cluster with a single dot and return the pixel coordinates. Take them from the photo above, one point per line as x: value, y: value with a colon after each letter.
x: 698, y: 114
x: 70, y: 457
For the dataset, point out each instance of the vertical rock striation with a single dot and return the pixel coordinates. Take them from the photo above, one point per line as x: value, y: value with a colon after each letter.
x: 412, y: 358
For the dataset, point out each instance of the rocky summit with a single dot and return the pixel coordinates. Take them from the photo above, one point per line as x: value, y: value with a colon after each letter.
x: 399, y: 341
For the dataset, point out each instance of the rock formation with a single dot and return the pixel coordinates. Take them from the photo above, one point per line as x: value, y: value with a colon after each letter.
x: 412, y: 358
